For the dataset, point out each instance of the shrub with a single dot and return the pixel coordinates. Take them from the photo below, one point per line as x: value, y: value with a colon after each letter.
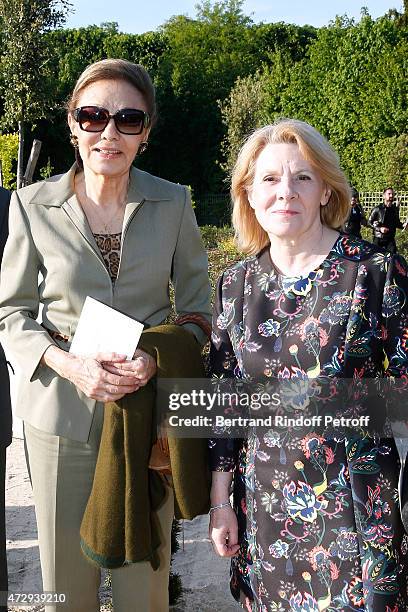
x: 8, y: 157
x: 213, y: 236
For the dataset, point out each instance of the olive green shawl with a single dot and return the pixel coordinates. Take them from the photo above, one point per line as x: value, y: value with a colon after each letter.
x: 119, y: 524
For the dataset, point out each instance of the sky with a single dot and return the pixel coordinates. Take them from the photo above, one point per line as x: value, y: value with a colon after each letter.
x: 138, y: 16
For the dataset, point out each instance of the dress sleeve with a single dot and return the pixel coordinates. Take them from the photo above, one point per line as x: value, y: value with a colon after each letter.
x: 223, y: 364
x: 190, y: 280
x: 395, y: 317
x: 395, y: 333
x: 19, y: 296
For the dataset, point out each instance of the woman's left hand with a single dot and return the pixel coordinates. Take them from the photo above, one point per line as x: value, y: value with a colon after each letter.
x: 223, y: 531
x: 142, y: 367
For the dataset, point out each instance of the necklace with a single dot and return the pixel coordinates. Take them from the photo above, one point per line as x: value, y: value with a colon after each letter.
x: 91, y: 210
x: 106, y: 225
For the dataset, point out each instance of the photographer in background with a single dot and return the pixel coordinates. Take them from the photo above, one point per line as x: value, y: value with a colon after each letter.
x: 5, y: 411
x: 385, y: 221
x: 356, y: 218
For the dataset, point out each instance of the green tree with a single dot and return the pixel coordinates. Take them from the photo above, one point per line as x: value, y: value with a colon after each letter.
x: 204, y: 58
x: 384, y: 163
x: 24, y: 64
x: 194, y: 64
x: 351, y: 85
x: 242, y: 111
x: 293, y: 40
x: 72, y: 50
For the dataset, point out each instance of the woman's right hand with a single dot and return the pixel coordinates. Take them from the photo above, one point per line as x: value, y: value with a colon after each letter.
x: 87, y: 373
x: 223, y: 531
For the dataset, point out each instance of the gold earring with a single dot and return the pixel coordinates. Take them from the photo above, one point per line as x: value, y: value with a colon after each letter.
x: 74, y: 141
x: 142, y: 147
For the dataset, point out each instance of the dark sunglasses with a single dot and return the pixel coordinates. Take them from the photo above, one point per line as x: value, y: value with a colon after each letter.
x: 95, y: 119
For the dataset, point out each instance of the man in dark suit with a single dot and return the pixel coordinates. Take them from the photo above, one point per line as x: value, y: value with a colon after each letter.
x: 5, y: 410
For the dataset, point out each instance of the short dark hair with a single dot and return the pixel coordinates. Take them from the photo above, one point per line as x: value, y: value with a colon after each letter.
x: 387, y: 188
x: 115, y: 70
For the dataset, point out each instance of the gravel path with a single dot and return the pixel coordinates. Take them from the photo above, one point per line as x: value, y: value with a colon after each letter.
x: 204, y: 576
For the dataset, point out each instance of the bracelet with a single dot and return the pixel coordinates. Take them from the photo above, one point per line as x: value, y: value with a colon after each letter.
x: 218, y: 506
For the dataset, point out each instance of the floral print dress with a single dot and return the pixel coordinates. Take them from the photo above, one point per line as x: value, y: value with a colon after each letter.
x: 318, y: 518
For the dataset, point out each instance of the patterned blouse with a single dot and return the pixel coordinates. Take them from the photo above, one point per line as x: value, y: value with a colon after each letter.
x: 109, y: 246
x: 318, y: 517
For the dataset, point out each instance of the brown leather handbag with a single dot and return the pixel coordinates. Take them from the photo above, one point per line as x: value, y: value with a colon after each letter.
x: 159, y: 459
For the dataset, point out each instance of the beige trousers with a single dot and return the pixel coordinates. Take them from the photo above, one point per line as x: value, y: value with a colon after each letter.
x: 61, y: 472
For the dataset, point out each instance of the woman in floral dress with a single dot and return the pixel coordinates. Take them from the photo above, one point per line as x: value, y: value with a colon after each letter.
x: 316, y: 522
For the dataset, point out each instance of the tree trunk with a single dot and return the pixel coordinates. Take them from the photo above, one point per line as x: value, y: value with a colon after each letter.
x: 20, y: 170
x: 32, y: 162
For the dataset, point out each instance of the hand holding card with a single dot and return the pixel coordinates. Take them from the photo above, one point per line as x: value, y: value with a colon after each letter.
x: 102, y: 329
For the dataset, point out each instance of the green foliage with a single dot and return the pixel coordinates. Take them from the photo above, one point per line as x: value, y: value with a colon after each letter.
x: 203, y: 59
x: 193, y: 202
x: 8, y: 157
x: 24, y: 59
x: 384, y: 163
x: 221, y: 252
x: 47, y: 170
x: 214, y: 209
x: 228, y: 246
x: 268, y: 38
x: 254, y: 101
x: 218, y: 76
x: 27, y: 95
x: 213, y: 236
x: 401, y: 240
x: 241, y: 112
x: 194, y: 64
x: 351, y: 85
x: 73, y: 50
x: 175, y: 588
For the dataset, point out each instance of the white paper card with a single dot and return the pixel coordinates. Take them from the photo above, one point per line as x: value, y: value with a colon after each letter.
x: 104, y: 329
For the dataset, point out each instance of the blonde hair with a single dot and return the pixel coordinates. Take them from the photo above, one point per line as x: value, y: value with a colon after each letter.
x: 249, y: 235
x: 117, y: 70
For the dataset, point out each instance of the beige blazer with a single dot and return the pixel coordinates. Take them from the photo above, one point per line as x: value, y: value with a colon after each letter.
x: 49, y: 234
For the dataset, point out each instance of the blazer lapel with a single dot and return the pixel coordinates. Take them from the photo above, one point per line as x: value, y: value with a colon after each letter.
x: 77, y: 216
x: 59, y: 192
x: 130, y: 211
x: 142, y: 187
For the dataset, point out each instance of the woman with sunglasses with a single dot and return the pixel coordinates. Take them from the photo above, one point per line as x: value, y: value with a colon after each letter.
x: 120, y: 235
